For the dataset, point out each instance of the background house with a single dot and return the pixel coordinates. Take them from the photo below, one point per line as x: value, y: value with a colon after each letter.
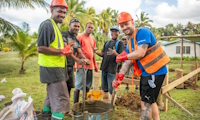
x: 173, y: 48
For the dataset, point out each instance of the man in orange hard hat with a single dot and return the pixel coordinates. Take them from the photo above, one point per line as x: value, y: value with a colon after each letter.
x: 149, y: 62
x: 52, y: 52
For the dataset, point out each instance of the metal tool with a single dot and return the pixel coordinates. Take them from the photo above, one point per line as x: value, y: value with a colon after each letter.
x: 84, y: 85
x: 119, y: 65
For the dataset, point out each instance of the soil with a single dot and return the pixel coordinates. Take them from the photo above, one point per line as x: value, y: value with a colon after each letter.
x: 171, y: 70
x: 190, y: 85
x: 131, y: 101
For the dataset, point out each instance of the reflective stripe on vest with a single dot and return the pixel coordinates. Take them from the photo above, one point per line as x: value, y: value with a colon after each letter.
x: 53, y: 60
x: 154, y: 59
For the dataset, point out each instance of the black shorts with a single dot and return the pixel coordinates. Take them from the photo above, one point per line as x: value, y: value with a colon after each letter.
x: 148, y: 94
x: 71, y: 80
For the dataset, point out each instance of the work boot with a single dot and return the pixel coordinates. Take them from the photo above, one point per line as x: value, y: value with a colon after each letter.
x: 76, y: 96
x: 57, y: 116
x: 46, y: 115
x: 106, y: 96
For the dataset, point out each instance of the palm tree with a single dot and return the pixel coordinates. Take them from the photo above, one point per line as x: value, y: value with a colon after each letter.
x: 105, y: 21
x: 115, y: 15
x: 92, y: 16
x: 76, y: 10
x: 143, y: 21
x: 6, y: 25
x: 24, y: 44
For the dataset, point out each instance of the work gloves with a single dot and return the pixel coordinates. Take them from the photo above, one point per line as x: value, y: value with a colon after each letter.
x: 122, y: 57
x: 117, y: 82
x: 68, y: 49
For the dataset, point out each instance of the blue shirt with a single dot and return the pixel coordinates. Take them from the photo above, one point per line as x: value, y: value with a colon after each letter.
x: 145, y: 36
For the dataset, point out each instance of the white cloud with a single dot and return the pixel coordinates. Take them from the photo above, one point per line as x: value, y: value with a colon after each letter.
x: 32, y: 16
x: 150, y: 2
x: 121, y: 5
x: 185, y: 11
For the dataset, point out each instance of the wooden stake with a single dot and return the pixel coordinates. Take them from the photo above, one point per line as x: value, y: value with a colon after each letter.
x: 195, y: 57
x: 179, y: 74
x: 177, y: 104
x: 166, y: 83
x: 182, y: 53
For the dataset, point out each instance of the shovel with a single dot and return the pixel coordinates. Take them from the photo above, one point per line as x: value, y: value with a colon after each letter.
x: 119, y: 65
x: 84, y: 85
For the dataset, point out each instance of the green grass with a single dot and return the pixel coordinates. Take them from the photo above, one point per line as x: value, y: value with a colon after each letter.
x: 30, y: 84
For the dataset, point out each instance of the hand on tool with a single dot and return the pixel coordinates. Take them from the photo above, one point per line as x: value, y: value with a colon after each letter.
x: 96, y: 66
x: 68, y: 49
x: 122, y: 57
x: 87, y: 61
x: 117, y: 82
x: 81, y: 61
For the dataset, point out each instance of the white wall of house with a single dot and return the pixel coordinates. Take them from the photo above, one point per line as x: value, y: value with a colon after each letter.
x: 172, y: 52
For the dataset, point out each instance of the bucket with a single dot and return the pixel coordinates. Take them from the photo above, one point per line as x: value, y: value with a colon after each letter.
x: 94, y: 95
x: 94, y: 110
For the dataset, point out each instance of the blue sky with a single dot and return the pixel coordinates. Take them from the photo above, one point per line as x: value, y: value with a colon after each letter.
x: 162, y: 12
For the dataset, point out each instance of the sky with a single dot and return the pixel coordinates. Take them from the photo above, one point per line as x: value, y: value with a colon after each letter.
x: 162, y: 12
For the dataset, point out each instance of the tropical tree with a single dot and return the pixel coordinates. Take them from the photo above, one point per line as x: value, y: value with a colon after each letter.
x: 8, y: 26
x: 115, y: 15
x: 105, y: 21
x: 76, y: 10
x: 143, y: 21
x: 156, y: 33
x: 169, y: 30
x: 92, y: 16
x: 24, y: 44
x: 180, y: 29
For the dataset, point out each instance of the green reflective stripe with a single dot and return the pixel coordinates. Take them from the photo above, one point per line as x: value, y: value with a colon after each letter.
x: 155, y: 60
x: 57, y: 115
x: 46, y: 109
x: 153, y: 49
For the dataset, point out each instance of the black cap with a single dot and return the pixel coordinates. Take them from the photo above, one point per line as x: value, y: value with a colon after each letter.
x: 114, y: 28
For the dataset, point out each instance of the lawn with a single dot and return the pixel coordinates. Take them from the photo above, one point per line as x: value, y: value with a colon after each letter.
x: 30, y: 84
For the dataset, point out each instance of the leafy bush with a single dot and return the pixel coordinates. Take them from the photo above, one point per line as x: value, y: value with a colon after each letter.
x: 5, y: 49
x: 185, y: 58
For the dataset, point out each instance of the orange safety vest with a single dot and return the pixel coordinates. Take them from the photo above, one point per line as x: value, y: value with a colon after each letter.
x: 154, y: 59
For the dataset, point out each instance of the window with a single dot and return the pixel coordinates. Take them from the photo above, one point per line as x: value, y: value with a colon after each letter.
x: 178, y: 49
x: 187, y: 49
x: 183, y: 49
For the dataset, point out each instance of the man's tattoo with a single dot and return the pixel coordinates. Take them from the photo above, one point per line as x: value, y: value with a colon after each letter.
x: 144, y: 46
x: 145, y: 113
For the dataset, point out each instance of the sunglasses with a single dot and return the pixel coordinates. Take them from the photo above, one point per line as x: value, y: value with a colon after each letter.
x: 74, y: 20
x: 123, y: 39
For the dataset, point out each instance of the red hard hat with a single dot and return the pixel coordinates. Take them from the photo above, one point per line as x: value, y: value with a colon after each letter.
x: 59, y: 3
x: 124, y: 17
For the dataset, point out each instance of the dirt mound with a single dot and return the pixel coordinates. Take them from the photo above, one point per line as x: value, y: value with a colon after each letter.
x: 171, y: 70
x: 189, y: 84
x: 131, y: 101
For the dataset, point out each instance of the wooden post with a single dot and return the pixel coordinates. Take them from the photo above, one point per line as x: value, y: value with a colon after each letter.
x: 182, y: 53
x: 179, y: 74
x: 192, y: 68
x: 96, y: 83
x: 166, y: 83
x: 195, y: 57
x: 159, y: 101
x: 177, y: 104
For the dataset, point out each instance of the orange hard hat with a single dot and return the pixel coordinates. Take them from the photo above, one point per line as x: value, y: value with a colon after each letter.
x: 124, y: 17
x: 59, y: 3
